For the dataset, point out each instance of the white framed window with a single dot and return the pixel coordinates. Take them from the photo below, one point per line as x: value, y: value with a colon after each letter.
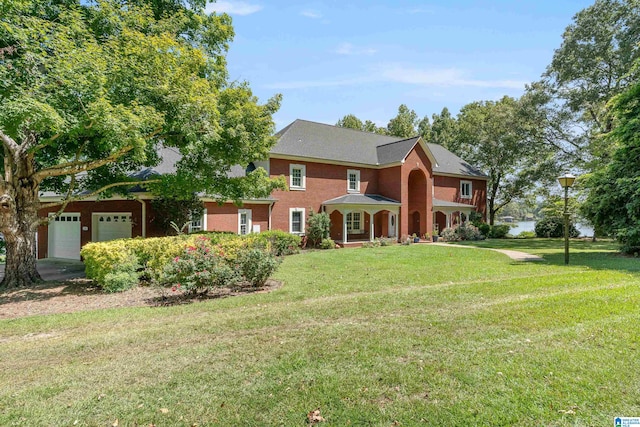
x: 465, y: 189
x: 353, y: 181
x: 198, y: 224
x: 244, y: 221
x: 296, y: 220
x: 297, y: 177
x: 355, y: 222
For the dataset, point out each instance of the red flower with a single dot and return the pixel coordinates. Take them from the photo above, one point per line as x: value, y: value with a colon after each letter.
x: 178, y: 284
x: 173, y: 288
x: 176, y: 259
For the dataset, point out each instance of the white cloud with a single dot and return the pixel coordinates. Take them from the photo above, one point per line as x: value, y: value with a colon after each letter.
x: 233, y: 8
x: 442, y: 77
x: 349, y: 49
x: 394, y: 73
x: 313, y: 14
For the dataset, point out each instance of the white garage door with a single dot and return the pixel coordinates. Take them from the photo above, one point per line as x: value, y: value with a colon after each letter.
x: 110, y: 226
x: 64, y: 236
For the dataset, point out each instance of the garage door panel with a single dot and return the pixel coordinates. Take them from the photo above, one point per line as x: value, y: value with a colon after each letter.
x: 64, y: 236
x: 113, y: 226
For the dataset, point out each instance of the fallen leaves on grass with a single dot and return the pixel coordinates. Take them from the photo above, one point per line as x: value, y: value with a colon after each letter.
x: 314, y: 417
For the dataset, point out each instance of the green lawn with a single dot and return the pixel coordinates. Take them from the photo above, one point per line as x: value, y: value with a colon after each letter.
x: 418, y: 335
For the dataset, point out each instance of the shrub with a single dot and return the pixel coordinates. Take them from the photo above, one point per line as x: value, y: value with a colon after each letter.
x: 499, y: 231
x: 449, y: 235
x: 318, y: 226
x: 282, y: 243
x: 386, y: 241
x: 103, y: 258
x: 526, y: 235
x: 199, y: 268
x: 256, y: 266
x: 553, y: 226
x: 484, y: 228
x: 327, y: 244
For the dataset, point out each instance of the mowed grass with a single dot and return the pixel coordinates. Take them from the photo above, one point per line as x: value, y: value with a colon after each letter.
x: 411, y: 335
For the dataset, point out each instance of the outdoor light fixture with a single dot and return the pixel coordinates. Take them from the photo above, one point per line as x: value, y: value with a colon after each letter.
x: 566, y: 181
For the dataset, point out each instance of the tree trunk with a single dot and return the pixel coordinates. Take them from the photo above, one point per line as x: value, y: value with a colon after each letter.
x: 18, y: 222
x: 492, y: 213
x: 20, y: 268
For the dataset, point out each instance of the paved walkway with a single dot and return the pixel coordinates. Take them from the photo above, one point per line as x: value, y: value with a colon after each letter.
x: 514, y: 255
x: 56, y: 269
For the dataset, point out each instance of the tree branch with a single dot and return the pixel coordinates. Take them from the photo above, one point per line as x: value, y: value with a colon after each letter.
x: 75, y: 167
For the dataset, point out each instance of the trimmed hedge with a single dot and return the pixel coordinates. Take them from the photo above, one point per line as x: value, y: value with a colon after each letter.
x: 148, y: 257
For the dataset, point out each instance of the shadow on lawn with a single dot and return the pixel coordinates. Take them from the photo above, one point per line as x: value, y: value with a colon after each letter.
x: 50, y: 289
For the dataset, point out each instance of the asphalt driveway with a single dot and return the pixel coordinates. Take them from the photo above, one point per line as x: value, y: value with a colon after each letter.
x: 57, y: 269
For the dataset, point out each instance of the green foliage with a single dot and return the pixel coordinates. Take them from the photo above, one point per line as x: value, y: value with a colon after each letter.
x: 352, y: 122
x: 318, y: 227
x: 177, y: 210
x: 102, y: 258
x: 110, y: 88
x: 256, y: 266
x: 613, y: 204
x: 494, y: 136
x: 327, y: 243
x: 526, y: 235
x: 403, y: 125
x: 199, y: 268
x: 123, y: 276
x: 464, y: 231
x: 498, y: 231
x: 281, y: 242
x: 553, y: 226
x: 444, y: 130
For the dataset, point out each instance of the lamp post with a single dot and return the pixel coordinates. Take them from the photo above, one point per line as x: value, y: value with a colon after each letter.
x: 566, y: 181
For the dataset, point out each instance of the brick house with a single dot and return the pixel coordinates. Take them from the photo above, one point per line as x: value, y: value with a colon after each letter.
x: 371, y: 185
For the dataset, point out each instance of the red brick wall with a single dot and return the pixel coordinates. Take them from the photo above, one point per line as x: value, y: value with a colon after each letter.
x: 225, y: 217
x: 86, y: 209
x: 416, y: 160
x: 448, y: 189
x: 323, y: 182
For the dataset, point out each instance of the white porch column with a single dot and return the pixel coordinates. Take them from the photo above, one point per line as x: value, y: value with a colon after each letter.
x: 448, y: 220
x: 344, y: 226
x: 371, y: 225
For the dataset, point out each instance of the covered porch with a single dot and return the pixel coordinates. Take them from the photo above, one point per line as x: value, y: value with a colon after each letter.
x: 362, y: 217
x: 446, y: 213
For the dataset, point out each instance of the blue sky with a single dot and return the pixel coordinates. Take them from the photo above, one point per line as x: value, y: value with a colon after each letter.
x: 332, y: 58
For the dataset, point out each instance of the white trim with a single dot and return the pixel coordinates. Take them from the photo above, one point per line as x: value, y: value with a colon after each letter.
x: 303, y: 177
x: 355, y: 172
x: 144, y: 218
x: 249, y: 224
x: 462, y: 184
x: 302, y: 220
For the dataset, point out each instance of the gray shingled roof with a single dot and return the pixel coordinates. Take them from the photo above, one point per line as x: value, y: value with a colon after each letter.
x: 361, y: 199
x: 305, y: 139
x: 449, y: 163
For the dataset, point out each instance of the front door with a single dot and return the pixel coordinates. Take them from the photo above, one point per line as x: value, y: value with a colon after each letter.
x: 392, y: 225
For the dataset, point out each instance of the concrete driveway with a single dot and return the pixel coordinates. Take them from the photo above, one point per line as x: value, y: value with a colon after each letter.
x: 57, y: 269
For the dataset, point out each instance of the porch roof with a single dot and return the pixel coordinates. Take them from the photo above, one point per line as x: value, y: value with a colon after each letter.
x: 361, y: 199
x: 449, y: 205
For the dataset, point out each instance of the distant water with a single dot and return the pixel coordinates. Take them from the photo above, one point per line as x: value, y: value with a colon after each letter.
x: 521, y: 226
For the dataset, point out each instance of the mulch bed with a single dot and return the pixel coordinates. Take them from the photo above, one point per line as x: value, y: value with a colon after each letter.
x: 81, y: 295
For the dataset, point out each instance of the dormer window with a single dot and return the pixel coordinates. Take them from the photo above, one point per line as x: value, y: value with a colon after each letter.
x: 297, y: 177
x: 353, y: 181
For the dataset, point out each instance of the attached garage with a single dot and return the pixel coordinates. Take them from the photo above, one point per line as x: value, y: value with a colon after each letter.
x: 64, y: 236
x: 110, y: 226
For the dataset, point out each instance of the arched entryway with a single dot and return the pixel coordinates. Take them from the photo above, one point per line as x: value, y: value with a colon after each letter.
x: 417, y: 203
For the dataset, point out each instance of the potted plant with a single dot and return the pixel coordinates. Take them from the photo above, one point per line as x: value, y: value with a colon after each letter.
x: 426, y: 236
x: 416, y: 239
x: 434, y: 236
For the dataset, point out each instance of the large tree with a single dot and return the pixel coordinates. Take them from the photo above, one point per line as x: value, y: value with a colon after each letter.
x: 593, y: 64
x: 495, y: 136
x: 89, y: 93
x: 403, y: 125
x: 444, y: 129
x: 613, y: 203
